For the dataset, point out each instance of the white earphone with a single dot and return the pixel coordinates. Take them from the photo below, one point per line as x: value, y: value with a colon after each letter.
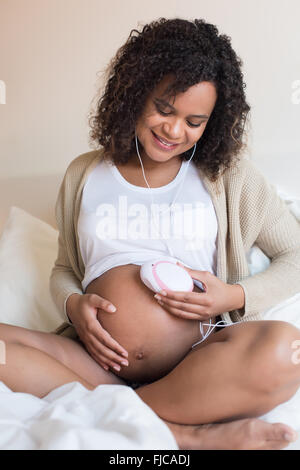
x: 171, y: 205
x: 164, y: 274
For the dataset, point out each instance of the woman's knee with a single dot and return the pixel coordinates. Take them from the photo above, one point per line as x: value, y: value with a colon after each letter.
x: 16, y: 334
x: 268, y: 355
x: 11, y: 333
x: 42, y: 341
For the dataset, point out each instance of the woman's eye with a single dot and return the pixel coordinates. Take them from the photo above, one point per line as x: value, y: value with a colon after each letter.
x: 194, y: 125
x: 162, y: 112
x: 167, y: 114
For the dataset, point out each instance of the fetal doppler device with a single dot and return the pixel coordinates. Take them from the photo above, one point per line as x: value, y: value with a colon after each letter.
x: 166, y: 275
x: 163, y: 273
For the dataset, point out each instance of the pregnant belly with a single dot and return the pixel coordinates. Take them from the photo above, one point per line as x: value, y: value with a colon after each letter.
x: 155, y: 339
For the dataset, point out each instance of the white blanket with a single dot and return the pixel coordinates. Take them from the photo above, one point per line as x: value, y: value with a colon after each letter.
x: 74, y: 418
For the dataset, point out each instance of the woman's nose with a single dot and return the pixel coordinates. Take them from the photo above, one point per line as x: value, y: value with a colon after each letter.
x: 173, y: 129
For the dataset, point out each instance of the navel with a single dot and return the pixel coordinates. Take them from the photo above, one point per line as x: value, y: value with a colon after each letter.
x: 139, y: 355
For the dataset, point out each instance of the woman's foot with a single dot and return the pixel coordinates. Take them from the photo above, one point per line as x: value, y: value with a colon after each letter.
x: 243, y: 434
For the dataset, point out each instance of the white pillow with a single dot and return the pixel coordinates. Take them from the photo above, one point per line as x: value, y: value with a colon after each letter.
x: 28, y: 249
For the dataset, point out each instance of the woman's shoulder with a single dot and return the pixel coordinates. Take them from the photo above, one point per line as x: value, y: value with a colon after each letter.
x: 82, y: 162
x: 247, y: 187
x: 244, y: 172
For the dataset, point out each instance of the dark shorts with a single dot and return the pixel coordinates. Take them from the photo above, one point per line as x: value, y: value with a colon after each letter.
x: 135, y: 385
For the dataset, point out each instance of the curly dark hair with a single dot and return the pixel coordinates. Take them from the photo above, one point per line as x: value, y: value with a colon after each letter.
x: 191, y: 51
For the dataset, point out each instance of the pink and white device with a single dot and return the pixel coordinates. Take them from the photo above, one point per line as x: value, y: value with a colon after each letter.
x: 160, y: 275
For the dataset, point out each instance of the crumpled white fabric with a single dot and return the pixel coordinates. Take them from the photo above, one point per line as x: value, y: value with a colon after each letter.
x: 74, y: 418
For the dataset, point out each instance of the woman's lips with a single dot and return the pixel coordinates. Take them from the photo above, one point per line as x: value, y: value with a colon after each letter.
x: 161, y: 144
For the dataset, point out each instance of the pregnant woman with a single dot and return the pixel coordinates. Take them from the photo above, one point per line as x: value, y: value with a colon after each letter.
x: 168, y: 180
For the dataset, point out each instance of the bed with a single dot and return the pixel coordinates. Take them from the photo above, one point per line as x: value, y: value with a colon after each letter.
x: 71, y: 417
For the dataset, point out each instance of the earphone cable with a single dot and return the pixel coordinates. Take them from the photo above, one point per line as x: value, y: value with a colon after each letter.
x: 152, y: 201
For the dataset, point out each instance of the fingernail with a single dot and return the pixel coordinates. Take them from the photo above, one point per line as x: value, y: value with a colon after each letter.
x: 157, y: 297
x: 163, y: 292
x: 125, y: 354
x: 112, y: 308
x: 125, y: 363
x: 117, y: 368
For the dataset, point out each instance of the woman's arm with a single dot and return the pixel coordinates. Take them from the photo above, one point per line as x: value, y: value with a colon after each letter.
x: 279, y: 239
x: 63, y: 281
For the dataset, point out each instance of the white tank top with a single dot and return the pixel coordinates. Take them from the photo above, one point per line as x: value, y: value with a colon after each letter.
x: 115, y: 227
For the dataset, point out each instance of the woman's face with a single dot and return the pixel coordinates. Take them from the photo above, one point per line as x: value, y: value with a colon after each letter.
x: 179, y: 123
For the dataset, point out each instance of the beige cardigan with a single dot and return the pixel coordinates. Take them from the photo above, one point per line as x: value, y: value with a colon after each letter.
x: 248, y: 211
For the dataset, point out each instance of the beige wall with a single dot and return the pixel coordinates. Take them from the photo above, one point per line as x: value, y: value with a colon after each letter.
x: 51, y: 51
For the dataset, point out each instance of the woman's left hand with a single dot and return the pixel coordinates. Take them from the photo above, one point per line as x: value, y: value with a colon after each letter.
x: 218, y: 298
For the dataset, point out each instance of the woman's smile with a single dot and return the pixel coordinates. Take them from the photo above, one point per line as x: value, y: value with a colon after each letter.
x: 162, y: 143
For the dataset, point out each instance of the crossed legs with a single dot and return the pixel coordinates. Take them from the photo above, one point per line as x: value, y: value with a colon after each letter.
x: 217, y: 381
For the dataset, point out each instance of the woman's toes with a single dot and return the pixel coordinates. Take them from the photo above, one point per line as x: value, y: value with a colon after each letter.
x: 282, y: 432
x: 272, y: 436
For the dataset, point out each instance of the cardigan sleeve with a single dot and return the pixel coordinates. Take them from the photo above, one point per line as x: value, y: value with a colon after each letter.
x: 279, y: 239
x: 63, y: 281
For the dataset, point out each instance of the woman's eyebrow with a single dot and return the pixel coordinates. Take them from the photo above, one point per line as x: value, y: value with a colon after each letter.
x: 172, y: 107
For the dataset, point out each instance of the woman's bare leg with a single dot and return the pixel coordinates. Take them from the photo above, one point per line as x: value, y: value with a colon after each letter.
x: 245, y: 370
x: 65, y: 350
x: 30, y: 369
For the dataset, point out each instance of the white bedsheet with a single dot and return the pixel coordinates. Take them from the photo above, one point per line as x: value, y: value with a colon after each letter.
x: 74, y: 418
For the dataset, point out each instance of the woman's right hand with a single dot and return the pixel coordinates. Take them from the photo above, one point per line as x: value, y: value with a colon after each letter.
x: 82, y: 311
